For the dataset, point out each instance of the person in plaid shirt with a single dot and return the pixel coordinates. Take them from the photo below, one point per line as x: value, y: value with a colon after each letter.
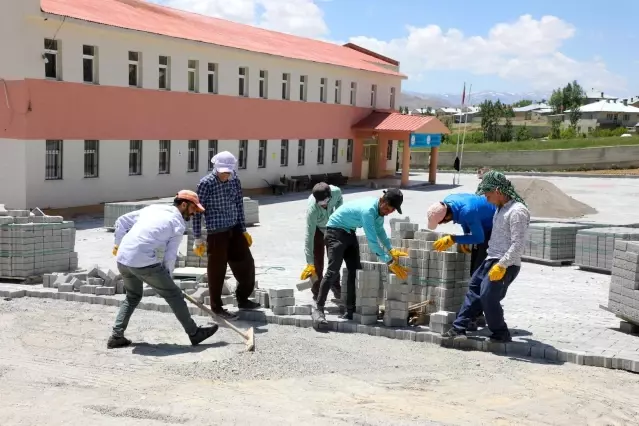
x: 227, y: 241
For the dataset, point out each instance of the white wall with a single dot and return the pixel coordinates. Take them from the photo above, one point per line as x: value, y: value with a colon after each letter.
x: 13, y: 185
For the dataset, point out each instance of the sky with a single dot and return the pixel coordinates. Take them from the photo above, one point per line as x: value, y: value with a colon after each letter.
x: 511, y: 46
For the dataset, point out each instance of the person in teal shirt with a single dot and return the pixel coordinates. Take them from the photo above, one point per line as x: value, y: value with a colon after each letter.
x: 324, y: 200
x: 342, y: 245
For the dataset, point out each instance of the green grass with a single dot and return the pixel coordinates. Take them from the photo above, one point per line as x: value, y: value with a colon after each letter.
x: 537, y: 145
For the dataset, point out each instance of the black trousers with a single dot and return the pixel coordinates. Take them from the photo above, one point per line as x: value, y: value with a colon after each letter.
x: 479, y: 253
x: 341, y: 246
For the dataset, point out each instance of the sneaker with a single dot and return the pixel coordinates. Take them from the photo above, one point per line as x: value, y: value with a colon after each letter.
x: 501, y: 338
x: 347, y: 316
x: 319, y: 318
x: 203, y: 333
x: 118, y: 342
x: 223, y: 313
x: 248, y: 305
x: 454, y: 334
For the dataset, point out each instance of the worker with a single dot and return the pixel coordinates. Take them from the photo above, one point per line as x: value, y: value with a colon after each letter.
x: 227, y: 241
x: 342, y: 245
x: 138, y: 235
x: 489, y: 284
x: 322, y: 202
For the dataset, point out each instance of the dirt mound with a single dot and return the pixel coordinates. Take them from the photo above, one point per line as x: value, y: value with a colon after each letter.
x: 544, y: 199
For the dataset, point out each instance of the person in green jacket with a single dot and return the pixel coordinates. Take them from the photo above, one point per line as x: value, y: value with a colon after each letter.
x: 324, y: 200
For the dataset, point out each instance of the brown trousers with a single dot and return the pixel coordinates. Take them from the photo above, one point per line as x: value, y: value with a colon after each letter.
x: 318, y: 261
x: 229, y: 247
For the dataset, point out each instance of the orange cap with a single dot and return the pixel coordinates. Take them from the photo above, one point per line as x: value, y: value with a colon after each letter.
x: 191, y: 196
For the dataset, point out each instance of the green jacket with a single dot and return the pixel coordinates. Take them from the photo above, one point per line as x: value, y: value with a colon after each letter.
x: 317, y: 217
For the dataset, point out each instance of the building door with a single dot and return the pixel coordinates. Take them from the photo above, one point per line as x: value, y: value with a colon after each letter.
x: 365, y: 156
x: 373, y: 159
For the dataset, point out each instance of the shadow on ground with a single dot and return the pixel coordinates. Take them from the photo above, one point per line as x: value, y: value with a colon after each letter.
x: 170, y: 349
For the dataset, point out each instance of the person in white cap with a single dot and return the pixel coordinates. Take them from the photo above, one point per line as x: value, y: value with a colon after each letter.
x: 227, y: 241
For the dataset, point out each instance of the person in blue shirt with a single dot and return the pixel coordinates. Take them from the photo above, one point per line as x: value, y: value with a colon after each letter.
x: 342, y: 245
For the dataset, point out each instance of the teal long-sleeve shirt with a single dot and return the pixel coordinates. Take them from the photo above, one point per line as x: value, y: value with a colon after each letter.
x: 364, y: 213
x: 317, y: 217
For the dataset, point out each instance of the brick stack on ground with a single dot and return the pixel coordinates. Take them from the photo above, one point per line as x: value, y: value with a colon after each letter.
x: 32, y: 244
x: 367, y: 286
x: 623, y: 297
x: 595, y: 246
x: 281, y: 299
x: 552, y: 242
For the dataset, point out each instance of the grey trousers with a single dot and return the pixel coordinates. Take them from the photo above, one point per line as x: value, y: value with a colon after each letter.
x: 159, y: 278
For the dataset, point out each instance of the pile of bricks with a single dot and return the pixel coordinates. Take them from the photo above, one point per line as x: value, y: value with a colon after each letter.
x: 623, y: 298
x: 367, y: 289
x: 280, y: 300
x: 595, y: 246
x: 96, y: 281
x: 32, y: 244
x: 396, y: 303
x: 552, y: 242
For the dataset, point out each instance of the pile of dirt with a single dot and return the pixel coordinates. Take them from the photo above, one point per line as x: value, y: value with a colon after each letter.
x: 544, y: 199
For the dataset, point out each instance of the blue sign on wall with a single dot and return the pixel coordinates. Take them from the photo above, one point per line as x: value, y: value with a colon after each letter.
x: 425, y: 140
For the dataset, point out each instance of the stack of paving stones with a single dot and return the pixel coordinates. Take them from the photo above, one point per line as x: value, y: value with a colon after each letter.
x: 367, y: 290
x: 552, y: 242
x: 623, y: 298
x: 281, y: 299
x: 595, y: 246
x: 441, y: 321
x: 32, y: 244
x: 396, y: 303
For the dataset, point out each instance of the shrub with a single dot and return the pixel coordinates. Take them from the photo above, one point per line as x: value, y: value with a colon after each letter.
x: 568, y: 133
x: 523, y: 133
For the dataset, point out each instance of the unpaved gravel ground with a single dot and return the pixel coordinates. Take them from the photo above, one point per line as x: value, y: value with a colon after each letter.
x: 55, y: 370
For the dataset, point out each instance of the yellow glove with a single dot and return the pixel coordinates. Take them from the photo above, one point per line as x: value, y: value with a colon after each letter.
x: 496, y: 273
x: 396, y: 254
x: 443, y: 243
x: 249, y: 239
x: 199, y: 247
x: 398, y: 270
x: 465, y: 248
x: 115, y: 250
x: 308, y: 272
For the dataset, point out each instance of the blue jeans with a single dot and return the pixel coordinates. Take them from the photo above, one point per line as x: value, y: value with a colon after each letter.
x: 159, y: 278
x: 487, y: 295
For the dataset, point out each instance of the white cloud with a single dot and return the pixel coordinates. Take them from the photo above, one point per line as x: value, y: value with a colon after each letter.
x: 525, y: 51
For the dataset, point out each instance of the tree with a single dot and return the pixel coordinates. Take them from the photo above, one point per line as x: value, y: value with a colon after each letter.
x: 523, y: 133
x: 491, y: 114
x: 569, y: 98
x: 522, y: 103
x: 429, y: 111
x: 555, y: 129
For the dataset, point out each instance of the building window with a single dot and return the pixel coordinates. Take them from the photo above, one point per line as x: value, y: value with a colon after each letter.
x: 242, y: 160
x: 392, y: 98
x: 389, y: 150
x: 320, y: 151
x: 373, y: 95
x: 261, y: 154
x: 322, y: 90
x: 263, y: 84
x: 626, y: 117
x: 303, y: 81
x: 349, y: 151
x: 51, y: 59
x: 211, y: 77
x: 164, y: 81
x: 286, y: 84
x: 135, y: 79
x: 301, y: 152
x: 135, y: 158
x: 91, y: 159
x: 212, y: 152
x: 89, y: 64
x: 243, y: 82
x: 164, y: 163
x: 193, y: 76
x: 353, y: 93
x: 53, y: 160
x: 334, y: 150
x: 284, y: 153
x: 194, y: 156
x: 338, y: 91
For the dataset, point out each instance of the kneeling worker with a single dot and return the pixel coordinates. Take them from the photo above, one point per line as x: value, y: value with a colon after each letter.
x: 324, y: 200
x: 342, y: 245
x: 137, y: 236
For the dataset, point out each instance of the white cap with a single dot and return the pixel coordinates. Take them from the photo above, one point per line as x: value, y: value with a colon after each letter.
x: 224, y: 162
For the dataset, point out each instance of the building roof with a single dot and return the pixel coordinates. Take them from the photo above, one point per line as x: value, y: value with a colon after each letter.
x: 140, y: 15
x: 599, y: 95
x: 396, y: 122
x: 607, y: 106
x: 531, y: 107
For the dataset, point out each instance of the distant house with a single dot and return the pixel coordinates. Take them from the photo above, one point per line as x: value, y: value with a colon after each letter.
x: 592, y: 97
x: 448, y: 111
x: 423, y: 111
x: 525, y: 113
x: 605, y: 114
x: 466, y: 114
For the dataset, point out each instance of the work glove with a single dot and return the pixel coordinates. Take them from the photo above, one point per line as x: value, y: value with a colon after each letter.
x: 249, y: 239
x: 115, y: 250
x: 497, y: 272
x: 308, y: 272
x: 396, y: 254
x: 443, y: 243
x: 399, y: 270
x: 465, y: 248
x: 199, y: 247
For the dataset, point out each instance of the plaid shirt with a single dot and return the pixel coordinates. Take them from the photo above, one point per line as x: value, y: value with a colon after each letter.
x: 223, y: 204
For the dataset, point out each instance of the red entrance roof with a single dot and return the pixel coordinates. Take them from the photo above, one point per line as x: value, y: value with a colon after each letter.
x: 140, y: 15
x: 396, y: 122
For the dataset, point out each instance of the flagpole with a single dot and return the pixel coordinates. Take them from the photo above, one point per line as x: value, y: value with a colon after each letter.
x: 457, y: 147
x: 461, y: 154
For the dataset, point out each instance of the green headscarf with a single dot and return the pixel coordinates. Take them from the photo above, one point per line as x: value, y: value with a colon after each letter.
x: 493, y: 180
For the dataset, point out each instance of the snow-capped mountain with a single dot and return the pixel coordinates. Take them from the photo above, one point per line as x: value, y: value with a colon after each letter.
x: 438, y: 100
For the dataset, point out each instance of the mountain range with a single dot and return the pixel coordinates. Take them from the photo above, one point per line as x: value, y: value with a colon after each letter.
x: 414, y: 100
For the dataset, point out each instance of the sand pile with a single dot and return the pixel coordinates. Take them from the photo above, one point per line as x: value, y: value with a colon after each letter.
x: 544, y: 199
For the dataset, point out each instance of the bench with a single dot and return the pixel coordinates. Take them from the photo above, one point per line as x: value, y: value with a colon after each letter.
x: 278, y: 188
x: 337, y: 179
x: 301, y: 182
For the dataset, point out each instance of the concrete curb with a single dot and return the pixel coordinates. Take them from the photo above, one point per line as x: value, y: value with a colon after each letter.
x: 542, y: 174
x: 515, y: 349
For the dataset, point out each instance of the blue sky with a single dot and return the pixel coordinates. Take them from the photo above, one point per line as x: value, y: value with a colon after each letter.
x: 527, y: 52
